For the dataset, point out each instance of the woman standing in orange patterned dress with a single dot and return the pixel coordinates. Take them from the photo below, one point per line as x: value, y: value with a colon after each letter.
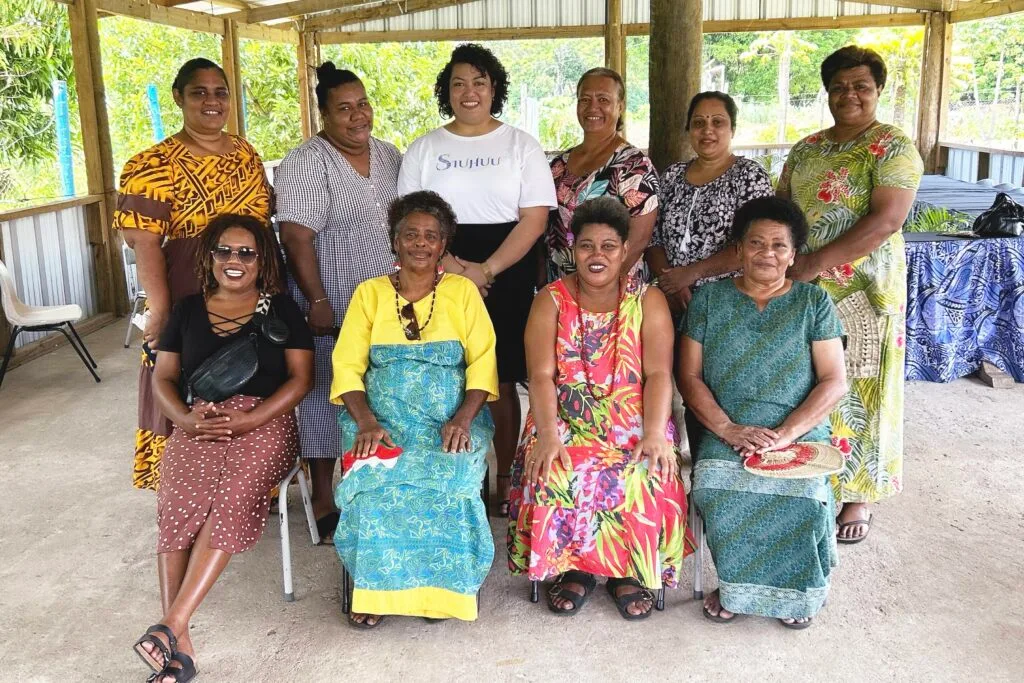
x: 169, y: 194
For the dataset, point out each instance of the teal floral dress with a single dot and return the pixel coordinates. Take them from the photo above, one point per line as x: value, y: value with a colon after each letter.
x: 832, y: 182
x: 773, y: 540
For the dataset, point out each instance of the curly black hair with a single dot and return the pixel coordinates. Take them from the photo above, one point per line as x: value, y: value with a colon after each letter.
x: 850, y: 57
x: 270, y: 263
x: 775, y: 209
x: 423, y: 201
x: 484, y: 61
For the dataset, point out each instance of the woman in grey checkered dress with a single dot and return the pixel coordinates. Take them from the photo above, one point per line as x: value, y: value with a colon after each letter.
x: 333, y: 194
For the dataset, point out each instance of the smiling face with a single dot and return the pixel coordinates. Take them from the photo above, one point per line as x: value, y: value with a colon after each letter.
x: 419, y: 242
x: 205, y: 102
x: 598, y: 105
x: 853, y: 96
x: 766, y: 252
x: 471, y: 93
x: 600, y: 253
x: 232, y: 274
x: 711, y: 129
x: 348, y: 116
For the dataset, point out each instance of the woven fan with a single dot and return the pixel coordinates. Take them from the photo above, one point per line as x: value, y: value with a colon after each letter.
x: 796, y: 461
x: 863, y: 335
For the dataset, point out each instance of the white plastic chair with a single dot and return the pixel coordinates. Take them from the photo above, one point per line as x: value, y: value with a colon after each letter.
x: 282, y: 506
x: 135, y: 293
x: 697, y: 529
x: 26, y: 318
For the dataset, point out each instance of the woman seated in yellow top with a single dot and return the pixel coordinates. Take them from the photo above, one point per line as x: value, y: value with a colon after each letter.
x: 413, y: 368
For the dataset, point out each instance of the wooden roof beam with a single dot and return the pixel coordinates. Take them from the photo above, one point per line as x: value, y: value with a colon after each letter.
x: 986, y: 10
x: 292, y: 10
x: 392, y: 8
x: 168, y: 16
x: 928, y: 5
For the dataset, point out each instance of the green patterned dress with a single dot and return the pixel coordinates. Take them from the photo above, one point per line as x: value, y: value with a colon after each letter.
x: 832, y: 182
x: 773, y: 540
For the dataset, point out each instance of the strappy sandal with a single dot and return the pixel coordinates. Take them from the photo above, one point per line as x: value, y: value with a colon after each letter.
x: 180, y: 674
x: 558, y: 591
x: 166, y: 649
x: 718, y: 618
x: 624, y: 601
x: 857, y: 522
x: 797, y: 625
x: 365, y: 625
x: 503, y: 506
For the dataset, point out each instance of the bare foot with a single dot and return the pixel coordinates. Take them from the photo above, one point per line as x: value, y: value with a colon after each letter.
x: 713, y: 606
x: 564, y: 603
x: 185, y: 647
x: 853, y: 512
x: 370, y: 620
x: 797, y: 621
x: 154, y: 652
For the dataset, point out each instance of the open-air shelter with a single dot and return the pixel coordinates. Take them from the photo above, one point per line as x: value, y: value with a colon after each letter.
x: 88, y: 268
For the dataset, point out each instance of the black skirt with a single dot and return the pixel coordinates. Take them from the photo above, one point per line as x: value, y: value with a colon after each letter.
x: 510, y: 297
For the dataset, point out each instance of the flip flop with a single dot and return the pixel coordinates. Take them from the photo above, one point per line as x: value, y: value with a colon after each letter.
x: 857, y: 522
x: 718, y: 618
x: 362, y: 625
x: 624, y: 601
x: 797, y: 625
x: 559, y: 592
x: 166, y: 649
x: 325, y: 527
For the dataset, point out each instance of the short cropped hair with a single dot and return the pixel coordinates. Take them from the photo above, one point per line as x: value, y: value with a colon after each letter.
x: 729, y: 103
x: 601, y: 211
x: 775, y: 209
x: 850, y: 57
x: 484, y: 61
x: 423, y: 201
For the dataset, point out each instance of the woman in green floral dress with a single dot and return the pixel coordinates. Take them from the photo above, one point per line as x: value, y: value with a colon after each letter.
x: 856, y: 182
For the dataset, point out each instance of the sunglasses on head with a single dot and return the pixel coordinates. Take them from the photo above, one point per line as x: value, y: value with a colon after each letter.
x: 246, y: 255
x: 410, y: 325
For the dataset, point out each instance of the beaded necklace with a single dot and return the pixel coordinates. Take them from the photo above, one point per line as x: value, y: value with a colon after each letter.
x: 411, y: 328
x: 581, y: 323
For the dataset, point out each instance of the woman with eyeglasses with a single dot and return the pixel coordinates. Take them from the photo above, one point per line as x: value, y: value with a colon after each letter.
x: 413, y: 368
x: 169, y: 194
x: 224, y: 455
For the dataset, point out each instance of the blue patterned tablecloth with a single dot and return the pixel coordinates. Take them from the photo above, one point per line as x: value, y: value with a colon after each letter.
x: 965, y: 304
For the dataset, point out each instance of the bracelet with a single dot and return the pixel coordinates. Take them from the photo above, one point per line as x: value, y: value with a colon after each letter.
x: 313, y: 303
x: 487, y: 272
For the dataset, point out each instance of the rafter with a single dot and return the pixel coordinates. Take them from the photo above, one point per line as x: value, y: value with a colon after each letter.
x: 385, y: 10
x: 986, y: 10
x: 929, y: 5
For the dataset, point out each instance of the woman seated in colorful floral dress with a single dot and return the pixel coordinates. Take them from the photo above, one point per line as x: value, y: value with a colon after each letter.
x: 595, y: 484
x: 762, y: 365
x: 413, y: 368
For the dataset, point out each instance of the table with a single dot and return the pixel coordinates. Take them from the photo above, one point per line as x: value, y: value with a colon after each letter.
x: 965, y: 304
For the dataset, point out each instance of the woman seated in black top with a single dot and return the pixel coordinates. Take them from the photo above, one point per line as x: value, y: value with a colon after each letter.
x: 222, y: 459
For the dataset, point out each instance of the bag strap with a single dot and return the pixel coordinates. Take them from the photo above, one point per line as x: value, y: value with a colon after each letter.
x: 262, y: 309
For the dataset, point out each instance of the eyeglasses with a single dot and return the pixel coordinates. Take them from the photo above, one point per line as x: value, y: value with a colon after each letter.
x: 246, y: 255
x: 410, y: 325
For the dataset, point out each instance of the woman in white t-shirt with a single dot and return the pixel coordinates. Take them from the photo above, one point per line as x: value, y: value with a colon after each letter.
x: 496, y: 177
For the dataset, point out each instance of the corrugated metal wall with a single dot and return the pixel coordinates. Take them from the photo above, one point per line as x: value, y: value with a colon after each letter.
x: 524, y: 13
x: 51, y: 261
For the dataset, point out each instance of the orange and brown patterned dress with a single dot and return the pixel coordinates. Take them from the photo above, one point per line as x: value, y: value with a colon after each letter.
x: 169, y: 191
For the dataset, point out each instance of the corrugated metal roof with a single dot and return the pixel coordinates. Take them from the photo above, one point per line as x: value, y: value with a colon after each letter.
x: 557, y: 13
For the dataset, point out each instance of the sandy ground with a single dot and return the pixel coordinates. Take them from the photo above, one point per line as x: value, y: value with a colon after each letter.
x: 935, y: 593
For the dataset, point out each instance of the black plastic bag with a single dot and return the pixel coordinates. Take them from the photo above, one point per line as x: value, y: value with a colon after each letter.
x: 1005, y: 218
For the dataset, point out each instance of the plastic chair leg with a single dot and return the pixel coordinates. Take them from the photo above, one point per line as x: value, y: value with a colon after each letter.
x: 659, y: 604
x: 307, y: 504
x: 131, y: 316
x: 88, y: 362
x: 697, y: 528
x: 346, y: 591
x: 286, y: 545
x: 535, y: 591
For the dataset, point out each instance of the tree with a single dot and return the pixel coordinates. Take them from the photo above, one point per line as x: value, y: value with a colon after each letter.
x: 785, y: 47
x: 901, y: 49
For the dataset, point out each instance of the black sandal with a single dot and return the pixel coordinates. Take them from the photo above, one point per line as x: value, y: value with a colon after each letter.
x: 504, y: 504
x: 325, y: 527
x: 181, y: 674
x: 558, y: 591
x: 797, y: 625
x: 166, y: 649
x: 624, y: 601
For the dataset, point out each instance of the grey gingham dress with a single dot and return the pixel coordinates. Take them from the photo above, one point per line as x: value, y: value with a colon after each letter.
x: 315, y: 186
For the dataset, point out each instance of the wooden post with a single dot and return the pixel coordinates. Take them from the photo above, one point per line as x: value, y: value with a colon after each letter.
x: 613, y: 36
x: 99, y: 163
x: 676, y: 44
x: 232, y: 63
x: 308, y: 53
x: 934, y: 103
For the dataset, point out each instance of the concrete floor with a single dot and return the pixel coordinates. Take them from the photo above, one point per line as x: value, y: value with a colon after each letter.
x: 934, y: 594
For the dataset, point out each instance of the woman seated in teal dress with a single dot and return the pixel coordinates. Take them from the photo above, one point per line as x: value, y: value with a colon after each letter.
x: 761, y: 366
x: 413, y: 367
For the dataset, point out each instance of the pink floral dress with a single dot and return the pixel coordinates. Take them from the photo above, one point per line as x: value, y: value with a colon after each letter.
x: 605, y: 516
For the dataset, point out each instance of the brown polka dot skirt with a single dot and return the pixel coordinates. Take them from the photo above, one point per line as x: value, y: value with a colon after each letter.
x: 227, y: 483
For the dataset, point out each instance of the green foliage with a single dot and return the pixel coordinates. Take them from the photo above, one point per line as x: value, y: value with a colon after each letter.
x: 270, y: 80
